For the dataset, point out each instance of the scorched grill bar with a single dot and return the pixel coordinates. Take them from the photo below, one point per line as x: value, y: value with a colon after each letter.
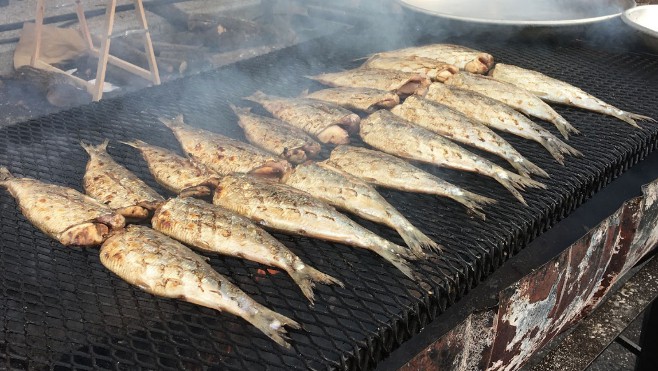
x: 61, y: 309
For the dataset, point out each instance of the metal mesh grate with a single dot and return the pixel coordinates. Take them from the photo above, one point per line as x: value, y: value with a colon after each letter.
x: 60, y: 309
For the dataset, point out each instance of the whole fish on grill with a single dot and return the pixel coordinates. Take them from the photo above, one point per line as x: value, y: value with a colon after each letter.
x: 435, y: 70
x: 453, y: 125
x: 286, y: 209
x: 164, y: 267
x: 276, y: 136
x: 402, y: 83
x: 518, y: 98
x: 62, y: 213
x: 464, y: 58
x: 556, y: 91
x: 384, y: 170
x: 225, y: 155
x: 349, y: 193
x: 389, y: 133
x: 328, y: 122
x: 212, y: 228
x: 178, y: 174
x: 114, y: 185
x: 499, y: 116
x: 358, y: 99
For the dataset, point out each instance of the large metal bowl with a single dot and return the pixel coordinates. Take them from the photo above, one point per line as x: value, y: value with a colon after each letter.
x: 540, y: 13
x: 644, y: 19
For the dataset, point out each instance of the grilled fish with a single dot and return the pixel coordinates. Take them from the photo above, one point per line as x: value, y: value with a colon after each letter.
x: 225, y: 155
x: 392, y: 134
x: 115, y: 186
x: 556, y: 91
x: 462, y: 57
x: 433, y: 69
x: 402, y: 83
x: 164, y: 267
x: 276, y: 136
x: 518, y: 98
x: 61, y: 212
x: 349, y: 193
x: 212, y: 228
x: 499, y: 116
x: 286, y: 209
x: 358, y: 99
x: 178, y: 174
x: 384, y: 170
x: 326, y: 121
x: 453, y: 125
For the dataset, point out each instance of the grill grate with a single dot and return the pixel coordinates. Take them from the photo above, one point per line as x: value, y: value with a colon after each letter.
x: 60, y: 309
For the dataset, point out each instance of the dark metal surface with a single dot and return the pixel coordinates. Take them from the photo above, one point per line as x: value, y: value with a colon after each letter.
x: 60, y: 307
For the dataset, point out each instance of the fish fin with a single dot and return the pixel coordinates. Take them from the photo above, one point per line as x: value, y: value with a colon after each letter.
x: 92, y: 149
x: 257, y: 97
x: 5, y: 175
x: 272, y: 324
x: 306, y: 278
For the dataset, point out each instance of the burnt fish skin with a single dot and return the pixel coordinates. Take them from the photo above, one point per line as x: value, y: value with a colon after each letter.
x: 435, y: 70
x: 277, y: 136
x: 384, y: 170
x: 211, y: 228
x: 351, y: 194
x: 289, y: 210
x: 402, y: 83
x: 164, y: 267
x: 556, y: 91
x: 114, y: 185
x: 499, y: 116
x: 464, y: 58
x: 453, y: 125
x: 389, y: 133
x: 513, y: 96
x: 178, y: 174
x: 327, y: 122
x: 225, y: 155
x: 62, y: 213
x: 357, y: 99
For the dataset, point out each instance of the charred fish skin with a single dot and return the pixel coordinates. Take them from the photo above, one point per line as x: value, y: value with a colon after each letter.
x: 389, y: 133
x: 435, y: 70
x: 286, y: 209
x: 114, y: 185
x: 177, y: 174
x: 384, y: 170
x: 214, y: 229
x: 62, y: 213
x: 327, y: 122
x: 358, y: 99
x: 453, y: 125
x: 164, y: 267
x: 222, y: 154
x: 402, y: 83
x: 499, y: 116
x: 556, y: 91
x: 349, y: 193
x: 277, y: 136
x: 516, y: 97
x: 464, y: 58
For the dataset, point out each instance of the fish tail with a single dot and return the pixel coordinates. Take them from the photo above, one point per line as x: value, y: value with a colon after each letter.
x: 135, y: 143
x: 306, y: 277
x: 564, y: 126
x: 272, y: 324
x: 474, y: 202
x: 397, y: 255
x: 176, y: 122
x: 526, y: 168
x: 92, y: 149
x: 257, y: 97
x: 631, y: 118
x: 5, y: 175
x: 558, y: 148
x: 413, y: 237
x: 514, y: 182
x: 239, y: 110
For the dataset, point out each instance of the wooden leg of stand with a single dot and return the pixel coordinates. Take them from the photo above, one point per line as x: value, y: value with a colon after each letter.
x: 84, y: 28
x: 38, y: 26
x: 104, y: 50
x: 148, y: 45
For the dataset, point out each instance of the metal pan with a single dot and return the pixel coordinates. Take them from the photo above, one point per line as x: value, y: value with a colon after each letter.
x: 539, y: 13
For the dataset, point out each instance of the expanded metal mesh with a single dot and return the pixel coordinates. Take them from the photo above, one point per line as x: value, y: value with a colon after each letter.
x: 61, y: 309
